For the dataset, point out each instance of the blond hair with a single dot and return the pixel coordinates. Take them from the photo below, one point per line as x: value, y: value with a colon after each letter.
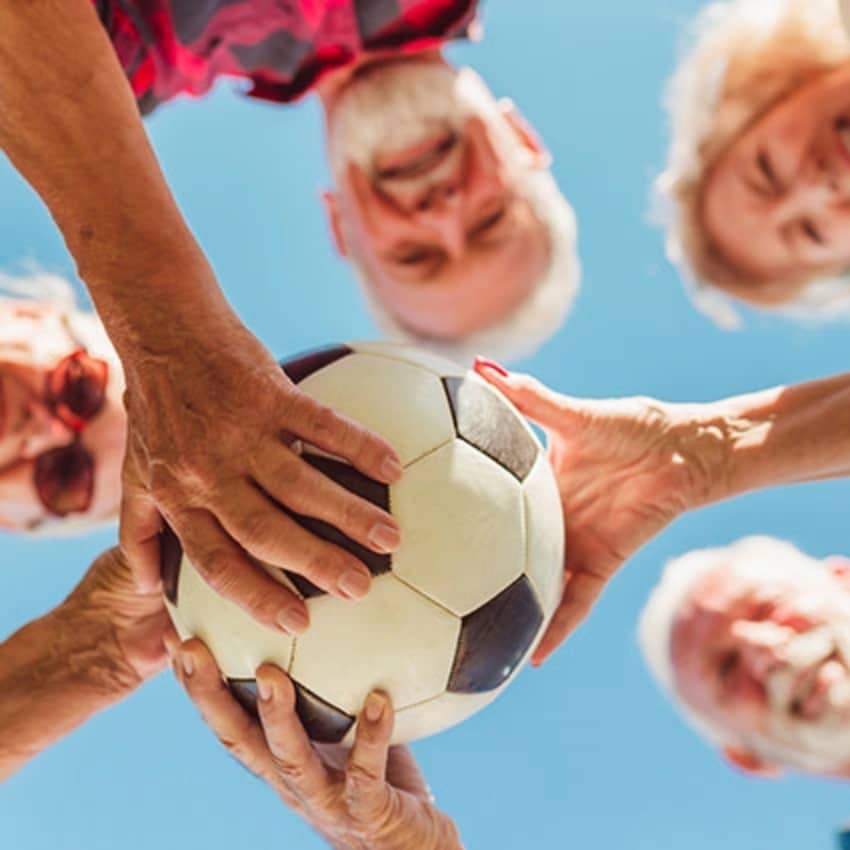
x: 746, y: 56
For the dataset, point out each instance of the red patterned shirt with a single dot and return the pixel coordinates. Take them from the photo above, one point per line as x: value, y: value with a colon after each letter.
x: 282, y: 47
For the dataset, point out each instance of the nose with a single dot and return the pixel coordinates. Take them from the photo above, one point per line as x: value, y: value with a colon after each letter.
x: 441, y: 210
x: 42, y: 430
x: 761, y: 645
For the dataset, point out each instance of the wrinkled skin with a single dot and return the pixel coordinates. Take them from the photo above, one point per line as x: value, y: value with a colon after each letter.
x: 621, y: 477
x: 373, y: 798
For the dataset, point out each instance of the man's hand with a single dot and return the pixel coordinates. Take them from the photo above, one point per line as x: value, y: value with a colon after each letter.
x: 211, y: 419
x: 622, y: 475
x: 375, y: 799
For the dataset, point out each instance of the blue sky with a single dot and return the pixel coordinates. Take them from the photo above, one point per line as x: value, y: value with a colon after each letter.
x: 584, y: 752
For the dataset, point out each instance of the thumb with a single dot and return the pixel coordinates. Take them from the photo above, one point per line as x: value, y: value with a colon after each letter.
x: 527, y: 394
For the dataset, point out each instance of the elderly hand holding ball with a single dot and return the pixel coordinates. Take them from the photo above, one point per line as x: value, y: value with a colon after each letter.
x: 374, y: 797
x: 626, y: 468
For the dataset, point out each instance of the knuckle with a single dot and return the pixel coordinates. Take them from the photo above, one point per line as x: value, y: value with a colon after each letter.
x: 256, y: 527
x: 290, y: 473
x: 217, y: 570
x: 324, y: 421
x: 290, y: 771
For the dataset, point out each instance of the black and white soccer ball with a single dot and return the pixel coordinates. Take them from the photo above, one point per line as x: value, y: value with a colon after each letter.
x: 453, y: 614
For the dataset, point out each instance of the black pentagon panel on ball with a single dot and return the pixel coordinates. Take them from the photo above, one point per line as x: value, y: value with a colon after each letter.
x: 483, y: 419
x: 369, y: 489
x: 494, y: 639
x: 245, y: 692
x: 323, y: 722
x: 170, y: 557
x: 303, y: 365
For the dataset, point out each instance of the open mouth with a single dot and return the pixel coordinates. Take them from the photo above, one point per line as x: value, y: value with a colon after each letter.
x: 416, y: 160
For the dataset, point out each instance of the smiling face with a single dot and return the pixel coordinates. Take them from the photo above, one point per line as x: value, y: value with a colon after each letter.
x: 776, y: 204
x: 430, y: 199
x: 762, y: 650
x: 33, y: 340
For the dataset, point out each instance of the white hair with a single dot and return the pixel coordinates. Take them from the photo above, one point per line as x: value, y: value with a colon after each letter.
x: 662, y: 609
x: 721, y: 84
x: 532, y: 322
x: 543, y: 311
x: 84, y: 328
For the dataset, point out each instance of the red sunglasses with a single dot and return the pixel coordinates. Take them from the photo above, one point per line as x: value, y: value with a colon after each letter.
x: 75, y: 391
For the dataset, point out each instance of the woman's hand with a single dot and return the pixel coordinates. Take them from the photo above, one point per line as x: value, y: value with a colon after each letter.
x: 624, y: 472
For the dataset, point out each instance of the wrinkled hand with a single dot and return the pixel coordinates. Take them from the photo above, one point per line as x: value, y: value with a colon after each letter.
x: 622, y: 477
x: 133, y: 620
x: 211, y: 421
x: 374, y: 799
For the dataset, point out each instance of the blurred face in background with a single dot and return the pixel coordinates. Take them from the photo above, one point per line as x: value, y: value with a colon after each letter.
x: 764, y: 653
x: 62, y: 423
x: 776, y: 204
x: 430, y: 198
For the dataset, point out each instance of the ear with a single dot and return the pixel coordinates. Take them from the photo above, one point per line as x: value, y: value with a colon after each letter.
x: 525, y: 133
x: 839, y: 566
x: 331, y: 205
x: 750, y: 763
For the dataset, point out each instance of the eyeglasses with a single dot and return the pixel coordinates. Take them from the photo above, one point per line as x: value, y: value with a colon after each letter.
x: 75, y: 391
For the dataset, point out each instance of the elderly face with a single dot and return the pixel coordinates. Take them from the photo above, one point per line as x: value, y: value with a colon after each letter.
x: 429, y: 198
x: 765, y: 654
x: 777, y: 203
x: 36, y: 425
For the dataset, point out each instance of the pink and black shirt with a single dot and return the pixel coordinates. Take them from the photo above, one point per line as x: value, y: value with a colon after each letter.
x: 280, y: 47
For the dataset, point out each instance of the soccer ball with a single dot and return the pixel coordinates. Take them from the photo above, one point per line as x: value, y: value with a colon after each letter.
x: 455, y: 612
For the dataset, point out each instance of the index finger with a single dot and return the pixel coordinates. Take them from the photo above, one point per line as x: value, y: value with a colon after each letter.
x: 297, y: 763
x: 366, y: 789
x: 332, y: 432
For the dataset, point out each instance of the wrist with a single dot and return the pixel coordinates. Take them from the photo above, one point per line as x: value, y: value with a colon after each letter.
x: 87, y: 654
x: 704, y: 440
x: 158, y: 293
x: 54, y: 675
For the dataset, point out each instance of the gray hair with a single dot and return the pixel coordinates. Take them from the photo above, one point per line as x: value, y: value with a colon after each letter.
x: 543, y: 311
x: 661, y: 612
x: 537, y: 318
x: 721, y: 85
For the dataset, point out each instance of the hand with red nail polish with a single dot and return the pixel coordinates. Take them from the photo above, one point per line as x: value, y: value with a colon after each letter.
x: 628, y: 467
x: 619, y: 484
x: 372, y: 797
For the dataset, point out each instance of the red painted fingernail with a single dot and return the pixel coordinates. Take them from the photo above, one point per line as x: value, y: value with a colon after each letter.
x: 485, y: 363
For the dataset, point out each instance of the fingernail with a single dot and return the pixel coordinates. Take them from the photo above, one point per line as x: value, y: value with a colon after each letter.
x: 485, y: 363
x: 375, y: 705
x: 354, y: 584
x: 293, y: 620
x: 391, y: 469
x: 188, y: 663
x: 385, y: 537
x: 264, y: 689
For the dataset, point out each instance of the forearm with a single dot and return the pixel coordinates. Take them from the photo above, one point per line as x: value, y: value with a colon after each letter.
x: 779, y: 436
x: 70, y: 125
x: 54, y: 675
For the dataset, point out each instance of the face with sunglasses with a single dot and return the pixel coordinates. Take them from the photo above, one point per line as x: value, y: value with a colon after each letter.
x: 61, y: 438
